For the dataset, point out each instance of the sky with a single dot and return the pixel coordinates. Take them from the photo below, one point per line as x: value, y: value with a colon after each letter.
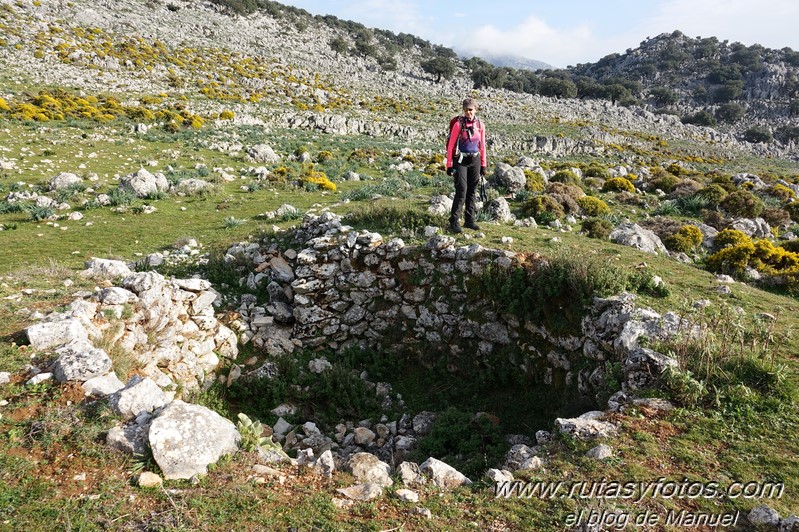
x: 569, y: 32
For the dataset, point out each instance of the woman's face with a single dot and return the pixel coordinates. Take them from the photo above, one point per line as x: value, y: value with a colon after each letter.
x: 469, y: 112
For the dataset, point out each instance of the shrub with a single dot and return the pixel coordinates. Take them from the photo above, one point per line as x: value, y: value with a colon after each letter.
x: 793, y: 210
x: 121, y: 196
x: 393, y: 219
x: 665, y: 181
x: 731, y: 259
x: 781, y: 192
x: 701, y: 118
x: 227, y: 115
x: 324, y: 156
x: 535, y: 181
x: 685, y: 240
x: 743, y: 204
x: 757, y: 135
x: 721, y: 179
x: 596, y: 171
x: 714, y: 194
x: 543, y: 208
x: 314, y: 179
x: 566, y: 177
x: 597, y: 228
x: 37, y: 214
x: 566, y: 190
x: 776, y: 217
x: 592, y: 206
x: 729, y: 238
x: 618, y: 184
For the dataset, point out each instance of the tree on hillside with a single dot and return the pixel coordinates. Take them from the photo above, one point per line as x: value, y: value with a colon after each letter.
x: 339, y: 45
x: 439, y: 66
x: 730, y: 112
x: 664, y: 96
x: 557, y: 87
x: 363, y: 43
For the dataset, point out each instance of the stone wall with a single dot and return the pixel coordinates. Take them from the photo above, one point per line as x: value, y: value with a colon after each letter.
x: 345, y: 288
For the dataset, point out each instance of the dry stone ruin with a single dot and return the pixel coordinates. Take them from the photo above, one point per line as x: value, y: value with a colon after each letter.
x: 331, y: 288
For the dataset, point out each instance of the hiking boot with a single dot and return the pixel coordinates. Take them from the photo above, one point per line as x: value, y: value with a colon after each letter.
x: 471, y: 225
x: 454, y: 227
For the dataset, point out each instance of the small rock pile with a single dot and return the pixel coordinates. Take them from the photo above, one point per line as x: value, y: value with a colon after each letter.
x: 167, y: 327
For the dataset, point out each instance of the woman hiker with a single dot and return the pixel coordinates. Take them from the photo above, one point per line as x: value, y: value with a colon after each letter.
x: 466, y: 163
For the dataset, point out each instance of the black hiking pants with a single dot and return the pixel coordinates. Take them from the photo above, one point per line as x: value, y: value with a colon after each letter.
x: 467, y: 177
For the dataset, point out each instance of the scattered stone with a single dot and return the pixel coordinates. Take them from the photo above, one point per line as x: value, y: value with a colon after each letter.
x: 509, y: 177
x: 634, y: 235
x: 587, y: 426
x: 39, y: 378
x: 105, y: 269
x: 424, y: 512
x: 368, y: 468
x: 139, y: 395
x: 130, y: 438
x: 149, y: 480
x: 762, y: 515
x: 423, y: 423
x: 410, y: 474
x: 5, y: 377
x: 102, y: 385
x: 363, y: 436
x: 186, y: 438
x: 80, y: 361
x: 600, y: 452
x: 319, y: 365
x: 262, y: 153
x: 789, y: 524
x: 406, y: 495
x: 442, y: 474
x: 362, y: 492
x: 499, y: 475
x: 50, y: 334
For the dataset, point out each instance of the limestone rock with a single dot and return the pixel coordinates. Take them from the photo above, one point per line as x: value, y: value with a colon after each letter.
x: 262, y: 153
x: 600, y: 452
x: 762, y: 515
x: 368, y: 468
x: 442, y: 474
x: 80, y: 361
x: 186, y: 438
x: 499, y: 210
x: 362, y: 492
x: 105, y: 268
x: 143, y: 183
x: 47, y: 335
x: 509, y: 177
x: 130, y: 438
x: 499, y: 475
x: 642, y: 368
x: 63, y: 180
x: 103, y: 385
x: 149, y: 480
x: 634, y: 235
x: 407, y: 495
x: 520, y: 457
x: 440, y: 204
x: 410, y: 474
x: 586, y: 427
x: 139, y: 395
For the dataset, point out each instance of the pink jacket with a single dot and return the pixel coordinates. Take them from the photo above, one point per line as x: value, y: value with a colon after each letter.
x: 456, y: 140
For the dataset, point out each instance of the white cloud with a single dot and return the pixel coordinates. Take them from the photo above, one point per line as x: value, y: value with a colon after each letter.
x: 395, y: 15
x: 771, y: 23
x: 535, y: 39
